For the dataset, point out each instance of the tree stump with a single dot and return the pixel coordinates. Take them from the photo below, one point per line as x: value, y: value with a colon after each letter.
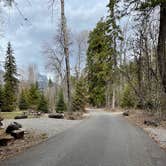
x: 18, y: 134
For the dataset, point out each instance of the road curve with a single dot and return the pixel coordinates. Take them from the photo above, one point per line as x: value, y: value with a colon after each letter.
x: 102, y: 140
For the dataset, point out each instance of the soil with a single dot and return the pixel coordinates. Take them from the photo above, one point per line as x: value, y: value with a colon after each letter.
x: 16, y: 146
x: 138, y: 117
x: 74, y: 115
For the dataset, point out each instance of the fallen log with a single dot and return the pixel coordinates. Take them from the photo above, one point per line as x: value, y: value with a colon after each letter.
x: 21, y: 117
x: 56, y: 116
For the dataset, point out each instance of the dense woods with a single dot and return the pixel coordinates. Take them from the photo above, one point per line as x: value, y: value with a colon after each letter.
x: 131, y: 72
x: 125, y: 63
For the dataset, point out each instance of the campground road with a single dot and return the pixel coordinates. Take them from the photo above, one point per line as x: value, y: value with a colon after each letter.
x: 102, y: 140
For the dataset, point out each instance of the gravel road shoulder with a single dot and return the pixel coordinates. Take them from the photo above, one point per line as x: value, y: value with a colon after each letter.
x: 48, y: 126
x: 157, y: 133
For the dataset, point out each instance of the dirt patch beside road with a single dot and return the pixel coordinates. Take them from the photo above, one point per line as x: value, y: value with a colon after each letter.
x: 38, y: 130
x: 157, y: 133
x: 16, y: 146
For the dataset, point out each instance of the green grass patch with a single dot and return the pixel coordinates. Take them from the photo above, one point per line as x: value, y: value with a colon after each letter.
x: 10, y: 115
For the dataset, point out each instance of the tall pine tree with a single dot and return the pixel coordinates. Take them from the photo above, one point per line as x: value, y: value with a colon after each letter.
x: 114, y: 34
x: 99, y: 63
x: 11, y: 81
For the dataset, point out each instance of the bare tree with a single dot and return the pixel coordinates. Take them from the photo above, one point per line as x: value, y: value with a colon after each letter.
x: 66, y: 43
x: 55, y: 57
x: 81, y: 46
x: 162, y: 45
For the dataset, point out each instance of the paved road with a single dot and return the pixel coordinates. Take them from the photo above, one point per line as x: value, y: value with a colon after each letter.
x: 102, y: 140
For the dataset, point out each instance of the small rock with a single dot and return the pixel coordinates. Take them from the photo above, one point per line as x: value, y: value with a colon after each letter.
x: 126, y: 113
x: 1, y: 124
x: 13, y: 126
x: 151, y: 123
x: 1, y: 119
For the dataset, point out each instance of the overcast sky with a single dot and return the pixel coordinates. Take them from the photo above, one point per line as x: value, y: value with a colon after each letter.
x: 27, y: 38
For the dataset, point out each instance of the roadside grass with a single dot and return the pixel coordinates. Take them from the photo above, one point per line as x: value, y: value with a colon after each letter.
x: 10, y: 115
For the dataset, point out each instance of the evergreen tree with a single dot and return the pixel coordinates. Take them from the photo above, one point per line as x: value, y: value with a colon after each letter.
x: 43, y: 104
x: 61, y: 105
x: 11, y: 81
x: 128, y: 98
x: 33, y: 96
x: 79, y: 98
x: 114, y: 34
x: 99, y: 63
x: 23, y: 103
x: 1, y: 97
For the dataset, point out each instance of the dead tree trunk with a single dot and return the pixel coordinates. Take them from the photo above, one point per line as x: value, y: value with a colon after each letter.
x: 66, y: 51
x: 162, y: 45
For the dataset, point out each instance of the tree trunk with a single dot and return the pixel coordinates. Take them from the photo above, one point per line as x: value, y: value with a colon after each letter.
x: 162, y: 45
x: 108, y: 101
x: 66, y: 52
x: 113, y: 99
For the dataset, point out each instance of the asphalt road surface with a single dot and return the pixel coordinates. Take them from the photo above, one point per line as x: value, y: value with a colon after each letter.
x: 102, y: 140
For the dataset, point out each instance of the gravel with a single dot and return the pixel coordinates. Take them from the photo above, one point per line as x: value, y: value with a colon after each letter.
x: 51, y: 127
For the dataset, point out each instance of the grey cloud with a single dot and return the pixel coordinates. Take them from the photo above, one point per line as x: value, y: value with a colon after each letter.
x: 27, y: 38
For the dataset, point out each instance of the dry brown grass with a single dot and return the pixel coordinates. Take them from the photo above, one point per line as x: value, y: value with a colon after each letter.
x: 74, y: 115
x: 17, y: 146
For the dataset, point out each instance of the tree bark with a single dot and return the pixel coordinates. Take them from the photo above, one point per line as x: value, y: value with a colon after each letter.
x: 162, y: 45
x: 66, y: 52
x: 113, y: 99
x: 108, y: 99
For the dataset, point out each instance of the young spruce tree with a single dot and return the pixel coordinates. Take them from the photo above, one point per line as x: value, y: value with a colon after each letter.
x: 23, y: 103
x: 43, y: 104
x: 33, y: 96
x: 79, y: 98
x: 61, y: 105
x: 11, y: 81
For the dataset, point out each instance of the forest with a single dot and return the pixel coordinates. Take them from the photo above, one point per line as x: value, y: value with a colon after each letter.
x: 83, y: 83
x: 121, y: 63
